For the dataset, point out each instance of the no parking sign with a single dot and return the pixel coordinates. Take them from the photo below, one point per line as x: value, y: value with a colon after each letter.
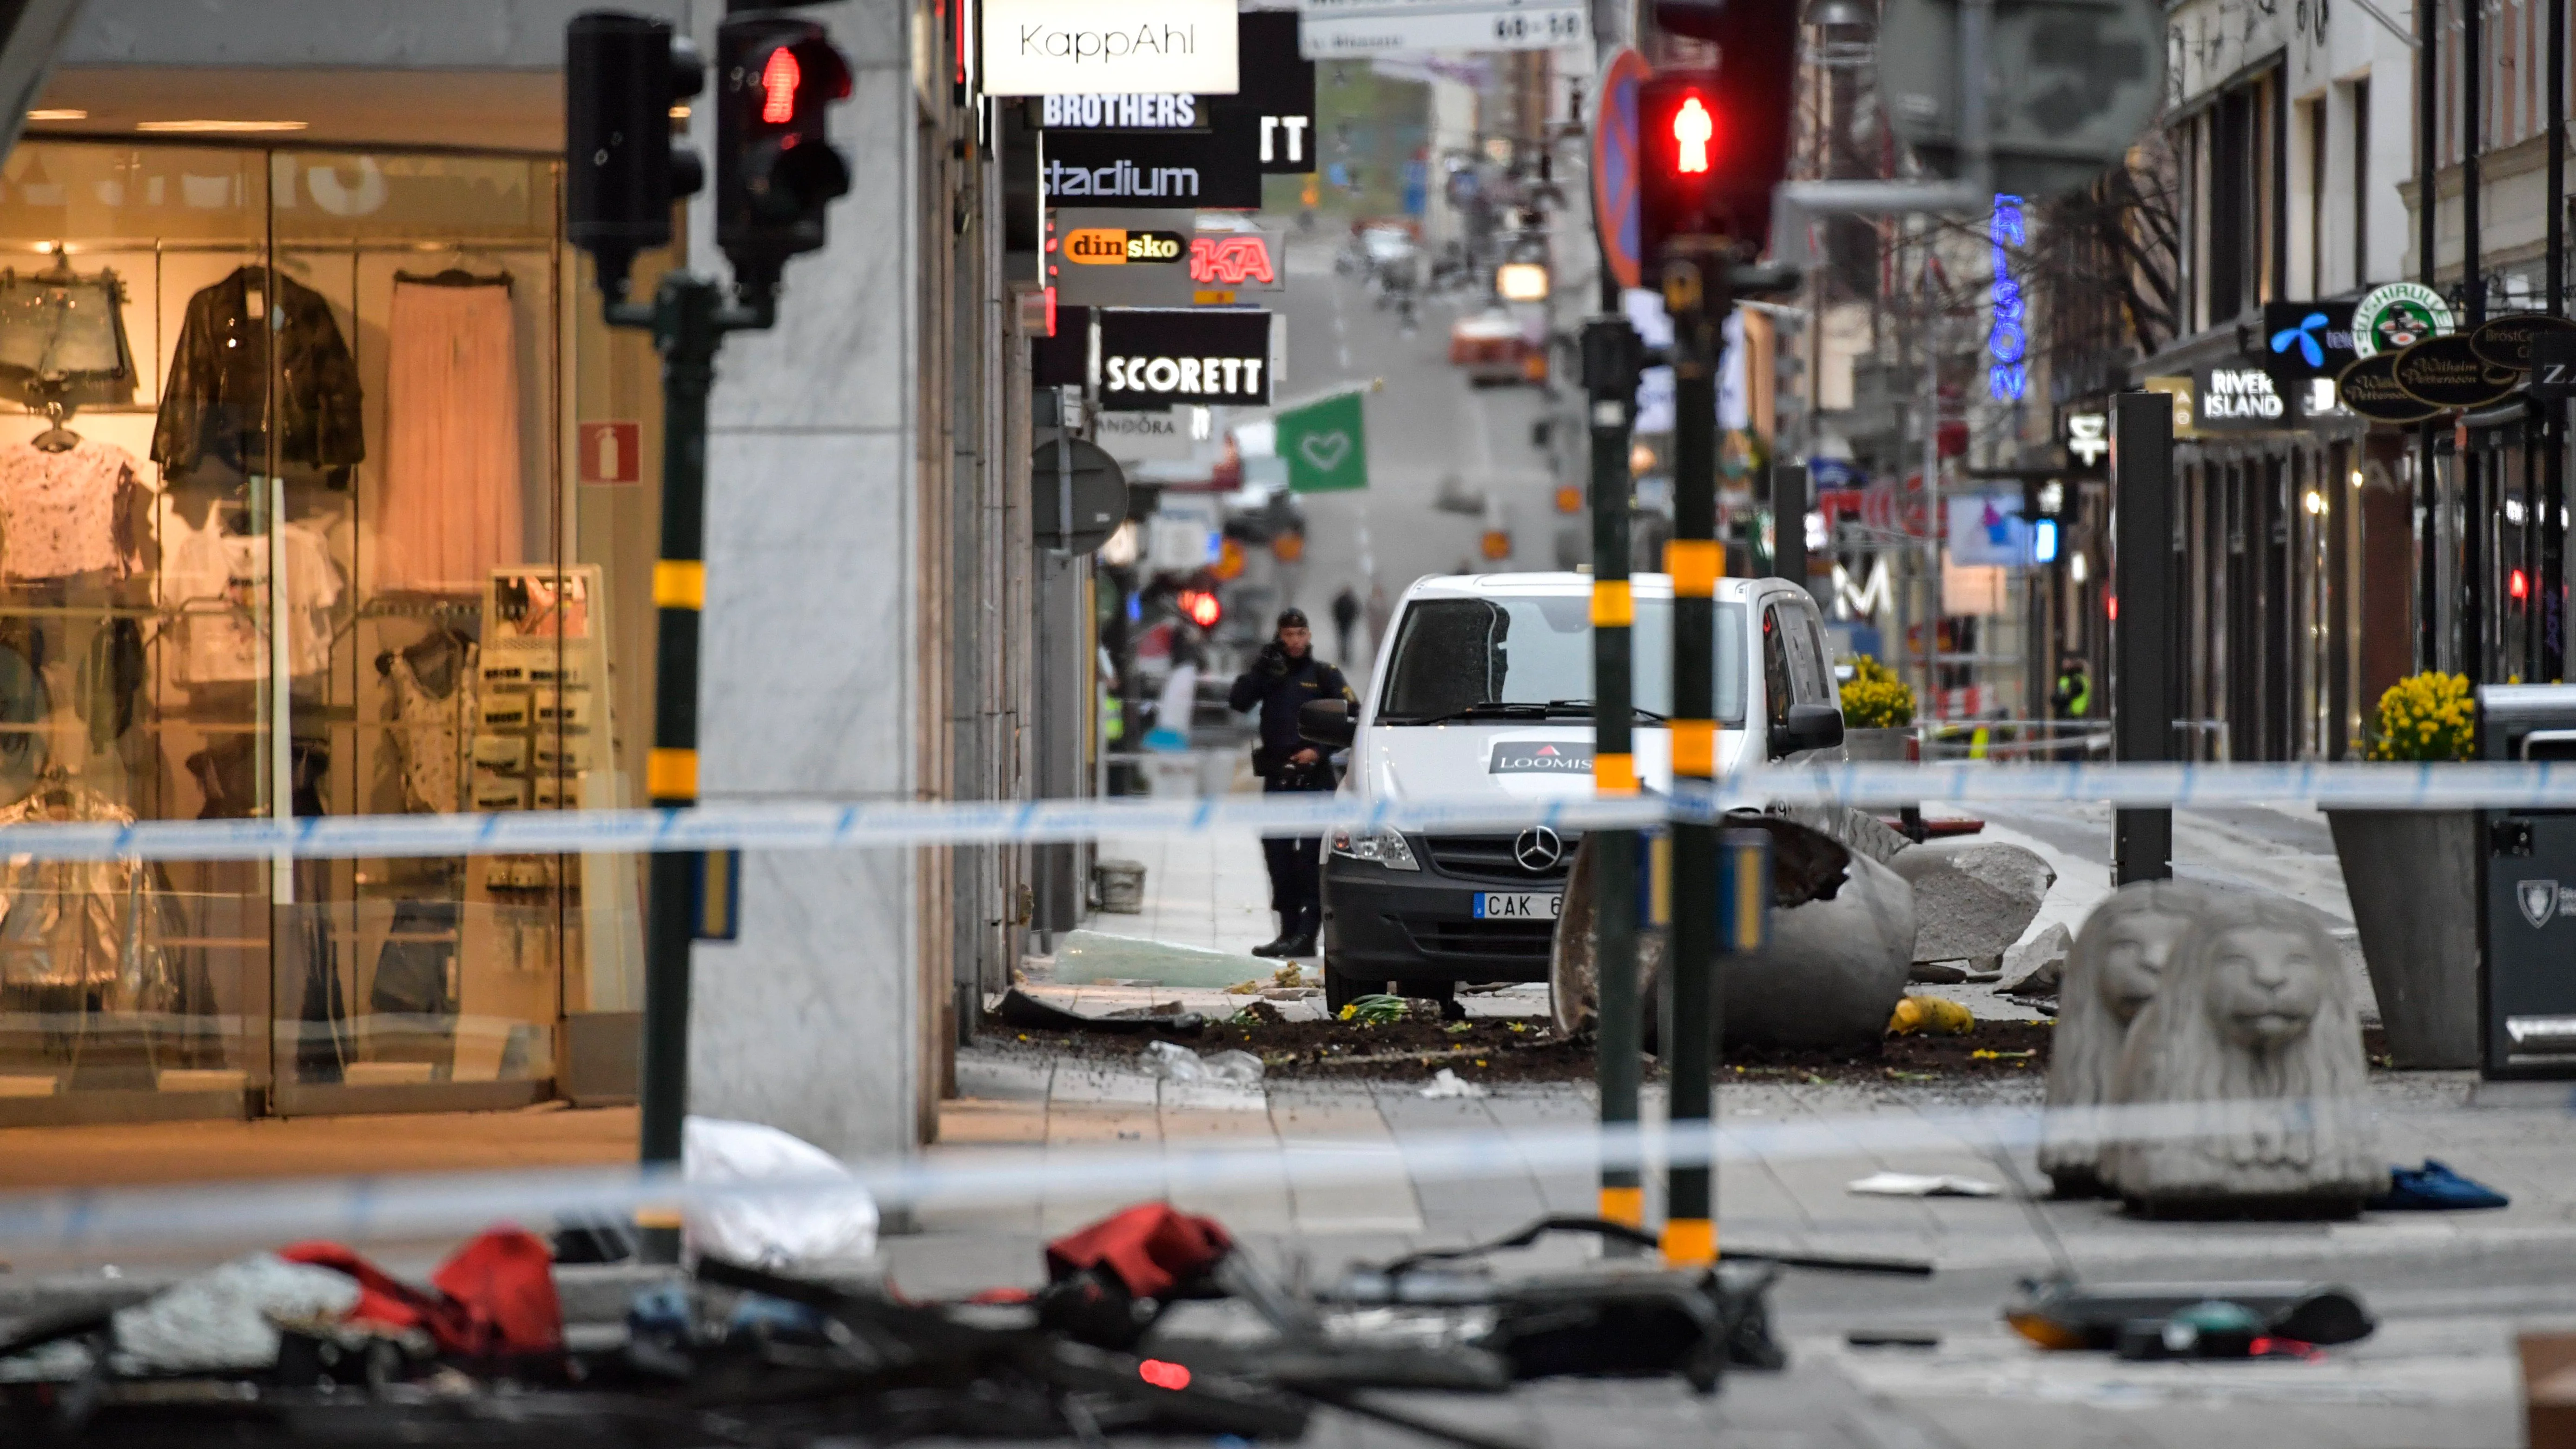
x: 1614, y: 167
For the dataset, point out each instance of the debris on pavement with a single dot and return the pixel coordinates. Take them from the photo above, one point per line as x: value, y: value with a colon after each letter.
x: 812, y: 1228
x: 1020, y: 1009
x: 2434, y: 1187
x: 1919, y: 1184
x: 1446, y: 1083
x: 1931, y: 1016
x: 2035, y: 967
x: 1174, y: 1062
x: 1890, y: 1338
x: 228, y: 1318
x: 2058, y: 1313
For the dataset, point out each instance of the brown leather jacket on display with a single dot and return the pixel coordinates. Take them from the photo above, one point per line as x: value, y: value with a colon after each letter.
x: 216, y: 402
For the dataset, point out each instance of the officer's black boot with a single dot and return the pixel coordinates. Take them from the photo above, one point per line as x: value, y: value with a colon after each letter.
x: 1302, y: 943
x: 1287, y: 937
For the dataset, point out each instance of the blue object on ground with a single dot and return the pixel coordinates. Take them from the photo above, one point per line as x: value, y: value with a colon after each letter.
x: 2434, y: 1187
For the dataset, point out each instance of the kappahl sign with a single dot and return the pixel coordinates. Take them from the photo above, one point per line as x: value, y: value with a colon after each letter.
x: 1109, y: 47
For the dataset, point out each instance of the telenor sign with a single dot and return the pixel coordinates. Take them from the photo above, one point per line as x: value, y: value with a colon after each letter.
x: 1109, y: 47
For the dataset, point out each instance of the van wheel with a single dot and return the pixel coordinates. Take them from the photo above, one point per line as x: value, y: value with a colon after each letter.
x: 1341, y: 990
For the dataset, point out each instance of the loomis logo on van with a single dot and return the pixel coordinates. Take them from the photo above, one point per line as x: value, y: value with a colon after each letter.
x: 1541, y: 757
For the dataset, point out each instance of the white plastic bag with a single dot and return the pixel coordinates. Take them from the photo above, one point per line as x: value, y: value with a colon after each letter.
x: 1174, y: 1062
x: 227, y: 1318
x: 1449, y: 1084
x: 810, y: 1222
x: 1921, y: 1184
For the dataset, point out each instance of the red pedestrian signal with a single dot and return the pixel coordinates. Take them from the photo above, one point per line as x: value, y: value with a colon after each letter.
x: 1713, y: 143
x: 778, y: 87
x: 776, y: 169
x: 1691, y: 130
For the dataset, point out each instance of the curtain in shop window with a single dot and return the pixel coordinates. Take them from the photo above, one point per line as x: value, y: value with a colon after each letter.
x: 452, y: 495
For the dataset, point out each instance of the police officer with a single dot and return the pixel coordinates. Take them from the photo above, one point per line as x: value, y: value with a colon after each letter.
x: 1282, y: 680
x: 2074, y: 696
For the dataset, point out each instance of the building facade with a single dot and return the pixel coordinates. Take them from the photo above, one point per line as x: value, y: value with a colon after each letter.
x: 2280, y: 145
x: 334, y: 495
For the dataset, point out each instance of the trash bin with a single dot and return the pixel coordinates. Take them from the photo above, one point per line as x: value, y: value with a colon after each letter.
x: 1120, y: 885
x: 2527, y: 881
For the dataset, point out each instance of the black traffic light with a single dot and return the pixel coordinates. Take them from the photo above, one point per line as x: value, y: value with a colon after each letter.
x: 776, y: 171
x: 623, y: 74
x: 1713, y: 143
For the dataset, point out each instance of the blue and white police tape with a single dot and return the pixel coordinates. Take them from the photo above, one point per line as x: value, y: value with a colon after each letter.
x: 179, y: 1221
x: 880, y: 824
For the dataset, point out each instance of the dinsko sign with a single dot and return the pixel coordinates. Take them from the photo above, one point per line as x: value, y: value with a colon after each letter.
x: 1153, y: 358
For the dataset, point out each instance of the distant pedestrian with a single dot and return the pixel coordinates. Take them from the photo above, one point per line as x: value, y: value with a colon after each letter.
x: 1285, y: 679
x: 1346, y: 616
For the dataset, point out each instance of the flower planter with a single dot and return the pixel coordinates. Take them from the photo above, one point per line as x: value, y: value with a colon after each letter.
x: 1879, y: 744
x: 2413, y: 879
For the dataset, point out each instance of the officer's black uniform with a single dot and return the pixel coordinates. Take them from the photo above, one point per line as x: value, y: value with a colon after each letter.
x: 1280, y: 686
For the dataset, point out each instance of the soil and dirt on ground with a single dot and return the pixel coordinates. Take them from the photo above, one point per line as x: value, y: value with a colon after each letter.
x: 1494, y: 1049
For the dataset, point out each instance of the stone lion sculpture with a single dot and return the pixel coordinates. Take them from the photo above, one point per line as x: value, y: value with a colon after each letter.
x: 2253, y: 1043
x: 2110, y: 976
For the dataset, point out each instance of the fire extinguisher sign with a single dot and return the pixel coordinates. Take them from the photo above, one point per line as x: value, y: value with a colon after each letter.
x: 612, y: 452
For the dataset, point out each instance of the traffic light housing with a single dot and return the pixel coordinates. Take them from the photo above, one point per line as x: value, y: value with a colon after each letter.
x: 1713, y: 143
x: 776, y: 169
x: 623, y: 74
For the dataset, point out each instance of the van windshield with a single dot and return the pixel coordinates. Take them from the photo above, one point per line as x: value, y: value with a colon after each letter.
x: 1454, y: 655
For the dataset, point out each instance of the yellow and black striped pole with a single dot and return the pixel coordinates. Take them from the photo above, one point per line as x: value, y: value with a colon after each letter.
x: 689, y: 319
x: 1695, y: 296
x: 1612, y: 355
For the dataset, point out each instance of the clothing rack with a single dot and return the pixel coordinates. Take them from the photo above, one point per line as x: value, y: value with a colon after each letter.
x: 414, y: 606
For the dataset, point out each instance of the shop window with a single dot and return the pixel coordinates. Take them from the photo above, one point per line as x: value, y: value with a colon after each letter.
x: 284, y: 529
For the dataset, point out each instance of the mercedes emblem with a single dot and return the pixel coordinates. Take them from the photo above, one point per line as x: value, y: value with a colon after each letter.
x: 1538, y: 848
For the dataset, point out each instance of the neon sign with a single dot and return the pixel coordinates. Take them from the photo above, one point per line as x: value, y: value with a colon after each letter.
x: 2008, y: 377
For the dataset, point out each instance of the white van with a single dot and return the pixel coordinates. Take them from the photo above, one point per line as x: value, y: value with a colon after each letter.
x: 1485, y: 684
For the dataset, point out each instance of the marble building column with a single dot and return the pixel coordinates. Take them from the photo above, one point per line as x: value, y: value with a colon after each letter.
x: 811, y: 1022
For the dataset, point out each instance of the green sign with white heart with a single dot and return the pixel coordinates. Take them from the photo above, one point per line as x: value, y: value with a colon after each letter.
x: 1326, y: 445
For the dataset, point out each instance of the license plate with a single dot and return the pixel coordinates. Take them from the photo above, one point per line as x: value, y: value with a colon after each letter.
x: 1518, y: 905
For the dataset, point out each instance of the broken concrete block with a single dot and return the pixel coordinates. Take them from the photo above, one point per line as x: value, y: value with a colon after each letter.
x: 1972, y: 901
x: 1832, y: 970
x: 2035, y: 967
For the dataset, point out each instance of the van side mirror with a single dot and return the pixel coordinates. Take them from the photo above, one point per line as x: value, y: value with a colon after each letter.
x: 1328, y: 723
x: 1811, y: 727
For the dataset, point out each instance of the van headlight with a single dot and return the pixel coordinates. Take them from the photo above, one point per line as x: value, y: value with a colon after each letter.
x: 1381, y: 847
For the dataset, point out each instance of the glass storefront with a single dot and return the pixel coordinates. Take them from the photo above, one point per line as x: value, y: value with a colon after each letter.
x: 315, y: 504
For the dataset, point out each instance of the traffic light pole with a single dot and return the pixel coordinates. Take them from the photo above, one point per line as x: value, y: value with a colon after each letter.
x: 1697, y: 298
x: 688, y: 320
x: 1612, y: 353
x: 2143, y: 702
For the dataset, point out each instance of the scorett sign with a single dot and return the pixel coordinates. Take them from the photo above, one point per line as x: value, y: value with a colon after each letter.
x: 1152, y: 358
